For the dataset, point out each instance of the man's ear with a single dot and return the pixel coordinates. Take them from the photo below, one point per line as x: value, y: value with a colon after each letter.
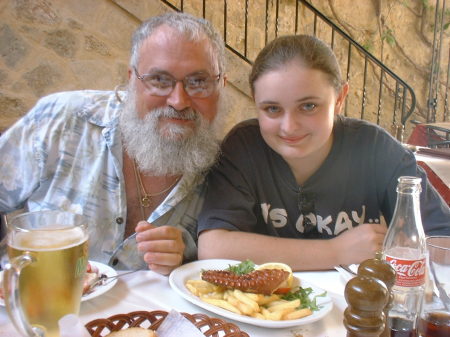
x: 341, y: 99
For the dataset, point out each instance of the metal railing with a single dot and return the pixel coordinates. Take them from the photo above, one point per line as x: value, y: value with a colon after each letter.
x: 376, y: 93
x: 438, y: 86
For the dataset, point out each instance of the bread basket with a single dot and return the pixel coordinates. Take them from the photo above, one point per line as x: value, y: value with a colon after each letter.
x: 209, y: 326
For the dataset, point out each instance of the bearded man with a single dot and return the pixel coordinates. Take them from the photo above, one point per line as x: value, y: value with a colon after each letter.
x: 132, y: 161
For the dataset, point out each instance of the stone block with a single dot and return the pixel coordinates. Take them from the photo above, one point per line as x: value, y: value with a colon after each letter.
x: 74, y: 24
x: 36, y: 11
x: 11, y: 106
x: 41, y: 78
x: 3, y: 78
x: 87, y: 72
x: 142, y: 9
x: 63, y: 42
x: 13, y: 48
x: 93, y: 44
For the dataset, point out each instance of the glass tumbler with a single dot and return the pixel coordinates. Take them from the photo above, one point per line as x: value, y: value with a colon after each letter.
x: 434, y: 320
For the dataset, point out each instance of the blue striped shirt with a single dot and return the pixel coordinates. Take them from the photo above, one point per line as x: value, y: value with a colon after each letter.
x: 66, y: 153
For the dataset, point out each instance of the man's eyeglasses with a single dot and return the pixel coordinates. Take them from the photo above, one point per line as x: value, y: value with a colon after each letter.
x: 197, y: 85
x: 306, y: 205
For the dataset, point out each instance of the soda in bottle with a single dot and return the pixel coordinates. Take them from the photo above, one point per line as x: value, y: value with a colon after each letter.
x: 405, y: 249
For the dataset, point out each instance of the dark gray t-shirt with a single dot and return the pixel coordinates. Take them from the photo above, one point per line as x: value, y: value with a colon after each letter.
x: 253, y: 189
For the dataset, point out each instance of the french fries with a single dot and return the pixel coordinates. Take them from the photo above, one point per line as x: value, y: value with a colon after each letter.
x: 200, y: 287
x: 222, y: 304
x: 254, y: 305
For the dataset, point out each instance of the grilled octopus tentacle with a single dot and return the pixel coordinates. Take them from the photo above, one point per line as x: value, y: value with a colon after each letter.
x: 264, y: 281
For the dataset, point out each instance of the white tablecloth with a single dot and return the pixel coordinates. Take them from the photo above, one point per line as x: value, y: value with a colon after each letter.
x: 146, y: 290
x: 439, y: 165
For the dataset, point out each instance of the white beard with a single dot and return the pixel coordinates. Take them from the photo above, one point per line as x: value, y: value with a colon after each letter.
x: 173, y: 149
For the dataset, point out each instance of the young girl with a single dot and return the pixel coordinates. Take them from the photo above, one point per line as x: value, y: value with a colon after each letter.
x: 303, y: 185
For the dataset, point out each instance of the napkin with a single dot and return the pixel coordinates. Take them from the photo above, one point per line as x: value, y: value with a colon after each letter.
x: 71, y: 326
x: 175, y: 325
x: 345, y: 274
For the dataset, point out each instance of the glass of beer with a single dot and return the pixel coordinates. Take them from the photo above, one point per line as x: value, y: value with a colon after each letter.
x: 43, y: 281
x: 434, y: 320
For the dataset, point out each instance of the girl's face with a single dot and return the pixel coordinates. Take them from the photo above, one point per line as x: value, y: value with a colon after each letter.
x: 296, y: 108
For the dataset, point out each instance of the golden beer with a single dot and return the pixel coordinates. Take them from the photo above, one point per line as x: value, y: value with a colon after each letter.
x: 51, y: 286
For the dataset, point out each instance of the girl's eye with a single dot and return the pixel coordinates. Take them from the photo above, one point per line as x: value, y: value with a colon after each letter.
x: 308, y: 107
x: 271, y: 109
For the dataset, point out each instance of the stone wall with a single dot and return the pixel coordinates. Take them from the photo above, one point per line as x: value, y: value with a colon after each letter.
x: 53, y: 45
x: 49, y: 46
x: 400, y: 33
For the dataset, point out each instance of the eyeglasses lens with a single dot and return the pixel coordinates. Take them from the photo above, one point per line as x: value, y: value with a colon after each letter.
x: 198, y: 85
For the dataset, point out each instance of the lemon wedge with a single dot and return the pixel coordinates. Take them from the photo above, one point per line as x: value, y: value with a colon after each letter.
x: 282, y: 266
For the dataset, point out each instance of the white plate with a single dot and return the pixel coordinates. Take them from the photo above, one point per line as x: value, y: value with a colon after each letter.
x: 191, y: 271
x: 99, y: 290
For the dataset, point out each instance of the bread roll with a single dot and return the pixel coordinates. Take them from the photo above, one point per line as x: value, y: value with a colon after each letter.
x: 133, y: 332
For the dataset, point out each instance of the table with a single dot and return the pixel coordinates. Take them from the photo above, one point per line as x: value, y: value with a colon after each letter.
x: 437, y: 166
x: 146, y: 290
x: 438, y: 172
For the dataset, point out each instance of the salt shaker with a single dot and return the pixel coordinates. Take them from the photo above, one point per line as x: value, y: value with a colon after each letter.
x: 383, y: 271
x: 366, y: 297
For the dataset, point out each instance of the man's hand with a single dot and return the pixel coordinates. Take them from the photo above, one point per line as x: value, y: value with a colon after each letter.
x: 359, y: 243
x: 163, y: 247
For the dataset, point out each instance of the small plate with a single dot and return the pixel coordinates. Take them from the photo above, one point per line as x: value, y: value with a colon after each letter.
x: 191, y: 271
x: 98, y: 290
x: 101, y: 289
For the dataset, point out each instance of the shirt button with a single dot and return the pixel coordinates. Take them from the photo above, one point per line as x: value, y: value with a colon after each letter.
x: 119, y: 220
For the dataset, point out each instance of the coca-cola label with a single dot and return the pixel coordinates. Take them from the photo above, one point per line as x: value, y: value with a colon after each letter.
x: 410, y: 273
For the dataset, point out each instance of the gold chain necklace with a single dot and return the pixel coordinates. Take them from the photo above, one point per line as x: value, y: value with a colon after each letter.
x: 144, y: 197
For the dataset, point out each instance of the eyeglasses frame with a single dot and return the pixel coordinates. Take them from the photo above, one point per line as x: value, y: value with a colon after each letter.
x: 213, y: 78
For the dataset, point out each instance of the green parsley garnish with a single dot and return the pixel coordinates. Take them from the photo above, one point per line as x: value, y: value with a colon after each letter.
x: 242, y: 268
x: 303, y: 295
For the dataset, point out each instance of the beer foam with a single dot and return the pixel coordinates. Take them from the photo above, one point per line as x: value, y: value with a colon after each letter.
x: 38, y: 240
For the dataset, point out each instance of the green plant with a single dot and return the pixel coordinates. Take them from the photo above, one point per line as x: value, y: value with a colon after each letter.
x: 368, y: 45
x: 388, y: 36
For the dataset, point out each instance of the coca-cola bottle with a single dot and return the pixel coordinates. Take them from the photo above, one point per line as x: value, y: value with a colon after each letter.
x: 404, y: 248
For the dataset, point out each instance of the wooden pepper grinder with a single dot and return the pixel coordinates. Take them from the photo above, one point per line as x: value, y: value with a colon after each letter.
x: 383, y: 271
x: 366, y: 298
